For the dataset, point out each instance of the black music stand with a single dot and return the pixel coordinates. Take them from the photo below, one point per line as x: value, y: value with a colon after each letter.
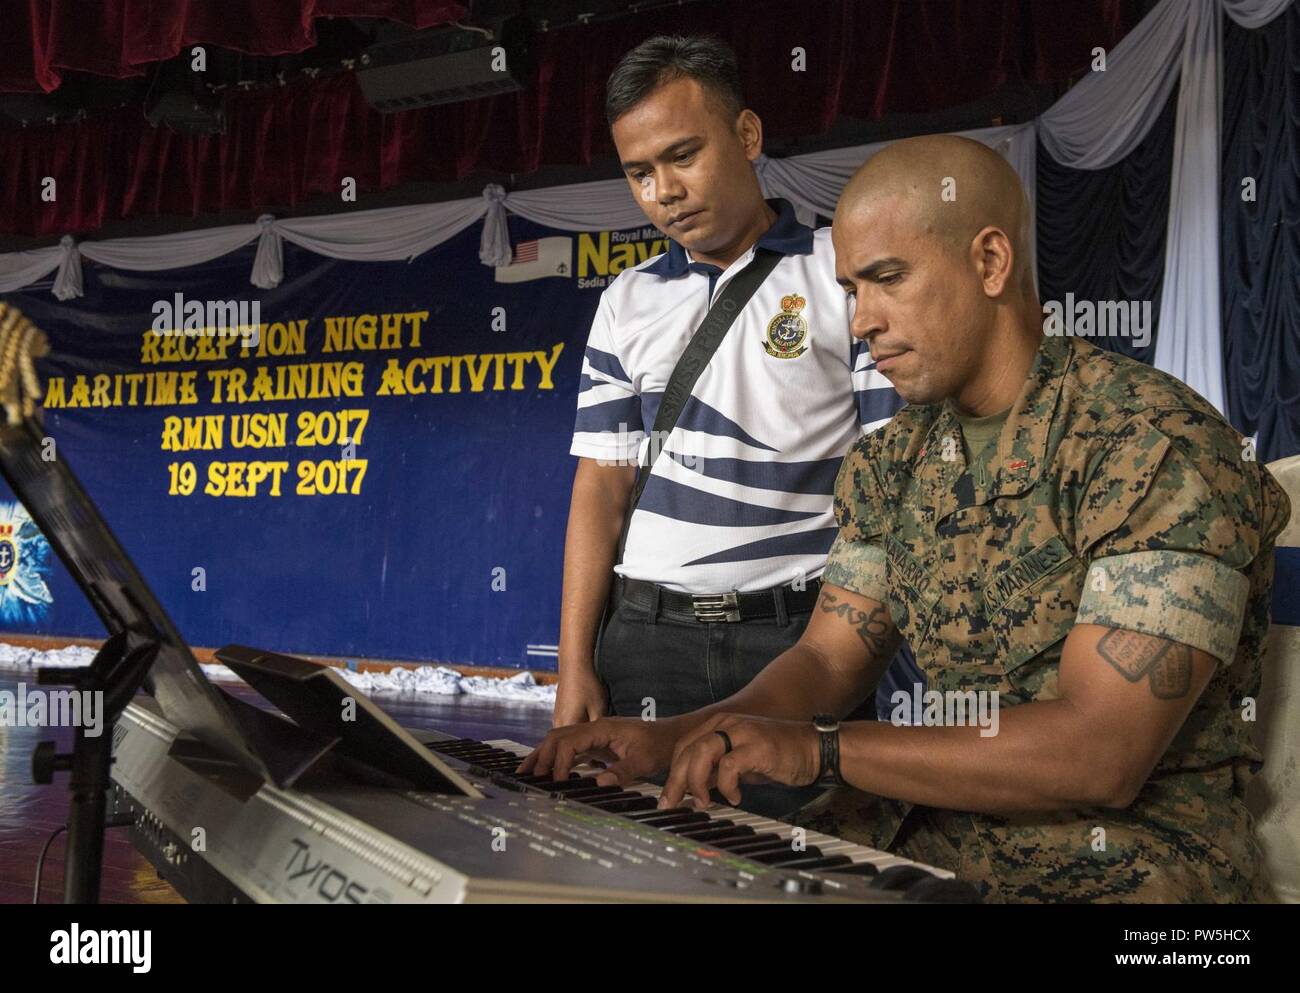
x: 144, y: 648
x: 118, y: 670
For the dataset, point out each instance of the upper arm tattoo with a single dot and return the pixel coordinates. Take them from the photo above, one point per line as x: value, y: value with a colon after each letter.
x: 1135, y: 655
x: 873, y: 628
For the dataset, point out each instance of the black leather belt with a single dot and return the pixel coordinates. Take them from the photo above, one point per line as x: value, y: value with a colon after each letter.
x: 709, y: 608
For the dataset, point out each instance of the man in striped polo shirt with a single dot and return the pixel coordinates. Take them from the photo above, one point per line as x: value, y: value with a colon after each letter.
x: 724, y: 548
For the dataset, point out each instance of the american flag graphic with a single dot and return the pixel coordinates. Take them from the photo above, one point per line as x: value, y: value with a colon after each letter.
x: 538, y: 259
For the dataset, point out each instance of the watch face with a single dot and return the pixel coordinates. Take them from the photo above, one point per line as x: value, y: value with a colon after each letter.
x: 824, y: 722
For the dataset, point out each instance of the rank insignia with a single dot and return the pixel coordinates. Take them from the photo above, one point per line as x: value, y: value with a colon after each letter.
x: 787, y: 332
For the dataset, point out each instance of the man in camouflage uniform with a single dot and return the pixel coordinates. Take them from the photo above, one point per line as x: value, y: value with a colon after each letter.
x: 1073, y: 534
x: 1117, y: 497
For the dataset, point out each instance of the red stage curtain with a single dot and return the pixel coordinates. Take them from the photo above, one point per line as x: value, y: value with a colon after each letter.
x: 865, y: 58
x: 120, y: 38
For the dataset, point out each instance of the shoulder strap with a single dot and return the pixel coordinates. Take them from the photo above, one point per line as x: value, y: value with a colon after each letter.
x: 699, y: 350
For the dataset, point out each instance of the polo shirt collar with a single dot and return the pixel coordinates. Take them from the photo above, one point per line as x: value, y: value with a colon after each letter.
x: 786, y: 235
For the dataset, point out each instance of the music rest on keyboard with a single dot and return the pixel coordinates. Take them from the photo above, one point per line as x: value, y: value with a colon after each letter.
x: 219, y: 837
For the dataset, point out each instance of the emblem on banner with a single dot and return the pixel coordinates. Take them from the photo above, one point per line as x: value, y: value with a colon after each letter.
x: 787, y: 332
x: 24, y: 555
x: 8, y: 554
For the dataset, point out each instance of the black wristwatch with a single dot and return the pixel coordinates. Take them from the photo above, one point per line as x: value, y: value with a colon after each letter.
x: 829, y: 729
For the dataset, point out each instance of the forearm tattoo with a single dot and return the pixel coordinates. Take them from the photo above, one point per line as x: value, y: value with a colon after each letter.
x: 1136, y: 655
x: 873, y: 628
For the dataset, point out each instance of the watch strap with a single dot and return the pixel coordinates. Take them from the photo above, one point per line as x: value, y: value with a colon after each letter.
x: 829, y: 772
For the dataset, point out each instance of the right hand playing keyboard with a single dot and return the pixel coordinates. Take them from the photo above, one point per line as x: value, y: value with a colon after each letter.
x: 631, y: 749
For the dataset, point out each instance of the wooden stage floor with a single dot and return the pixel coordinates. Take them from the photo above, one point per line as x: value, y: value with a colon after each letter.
x: 30, y: 813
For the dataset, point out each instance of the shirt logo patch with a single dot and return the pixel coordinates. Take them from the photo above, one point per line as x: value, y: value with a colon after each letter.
x: 787, y: 332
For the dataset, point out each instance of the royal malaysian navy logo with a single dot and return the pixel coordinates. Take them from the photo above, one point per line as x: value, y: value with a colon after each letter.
x: 24, y: 562
x: 8, y: 554
x: 787, y: 332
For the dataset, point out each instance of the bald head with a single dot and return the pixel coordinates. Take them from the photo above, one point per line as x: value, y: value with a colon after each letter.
x: 932, y: 239
x: 949, y: 187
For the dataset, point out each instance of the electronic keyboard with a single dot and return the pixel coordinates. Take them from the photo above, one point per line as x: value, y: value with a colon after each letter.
x: 218, y: 834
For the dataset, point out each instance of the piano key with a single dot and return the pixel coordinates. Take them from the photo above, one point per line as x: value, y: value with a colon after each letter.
x: 563, y: 788
x: 784, y: 829
x: 890, y: 861
x: 625, y: 805
x: 748, y: 841
x: 593, y: 793
x: 691, y: 817
x: 507, y: 763
x: 715, y: 834
x: 702, y: 826
x: 784, y: 855
x: 458, y: 750
x: 454, y: 743
x: 779, y: 847
x: 538, y: 780
x: 581, y: 783
x: 855, y: 852
x: 495, y: 762
x: 826, y: 862
x: 657, y: 815
x: 856, y: 869
x: 604, y: 798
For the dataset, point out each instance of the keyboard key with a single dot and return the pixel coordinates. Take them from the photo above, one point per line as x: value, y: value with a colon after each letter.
x: 789, y: 858
x: 712, y: 835
x: 689, y: 828
x: 857, y: 869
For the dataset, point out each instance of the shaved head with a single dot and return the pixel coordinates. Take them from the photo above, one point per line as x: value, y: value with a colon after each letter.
x: 951, y: 187
x: 932, y: 237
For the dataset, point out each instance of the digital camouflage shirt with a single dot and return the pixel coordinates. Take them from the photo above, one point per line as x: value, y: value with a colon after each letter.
x: 1115, y: 496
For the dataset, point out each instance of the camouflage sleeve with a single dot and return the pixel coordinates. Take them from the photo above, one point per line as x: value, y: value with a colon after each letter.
x: 1184, y: 597
x: 1166, y: 526
x: 858, y: 567
x: 857, y: 559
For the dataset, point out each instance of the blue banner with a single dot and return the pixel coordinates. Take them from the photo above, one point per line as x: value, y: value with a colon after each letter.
x: 380, y: 469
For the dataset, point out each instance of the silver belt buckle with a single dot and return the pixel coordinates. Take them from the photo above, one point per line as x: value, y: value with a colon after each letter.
x: 716, y: 607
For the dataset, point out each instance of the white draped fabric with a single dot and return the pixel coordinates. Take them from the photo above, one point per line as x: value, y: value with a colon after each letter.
x: 388, y: 235
x: 1107, y: 114
x: 1094, y: 125
x: 811, y: 182
x: 19, y: 269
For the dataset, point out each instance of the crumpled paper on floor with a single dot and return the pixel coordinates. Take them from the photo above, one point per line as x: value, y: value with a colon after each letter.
x: 434, y: 679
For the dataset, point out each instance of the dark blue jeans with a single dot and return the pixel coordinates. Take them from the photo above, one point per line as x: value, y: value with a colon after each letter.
x: 685, y: 665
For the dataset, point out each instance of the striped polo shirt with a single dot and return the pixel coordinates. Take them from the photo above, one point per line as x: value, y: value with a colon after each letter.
x: 739, y: 497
